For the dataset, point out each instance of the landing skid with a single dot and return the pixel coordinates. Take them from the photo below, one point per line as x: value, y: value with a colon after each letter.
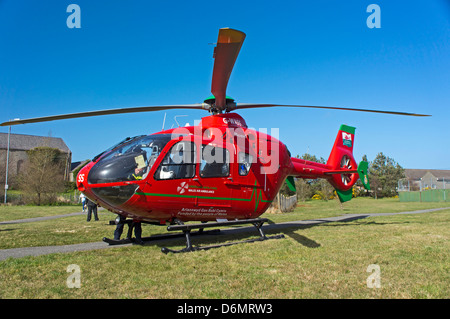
x: 257, y: 222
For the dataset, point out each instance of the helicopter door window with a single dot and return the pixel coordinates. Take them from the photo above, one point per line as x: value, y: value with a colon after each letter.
x: 178, y: 163
x: 245, y: 162
x: 215, y: 162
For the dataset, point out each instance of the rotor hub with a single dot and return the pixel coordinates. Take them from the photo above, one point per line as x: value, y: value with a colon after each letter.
x: 214, y: 109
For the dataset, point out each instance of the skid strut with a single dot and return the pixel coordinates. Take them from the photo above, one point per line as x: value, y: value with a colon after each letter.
x: 187, y: 228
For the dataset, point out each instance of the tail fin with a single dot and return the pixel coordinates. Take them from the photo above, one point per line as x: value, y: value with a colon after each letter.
x: 341, y: 158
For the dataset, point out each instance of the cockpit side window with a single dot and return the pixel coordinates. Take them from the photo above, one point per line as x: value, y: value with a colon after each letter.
x: 245, y: 163
x: 178, y: 163
x: 129, y: 161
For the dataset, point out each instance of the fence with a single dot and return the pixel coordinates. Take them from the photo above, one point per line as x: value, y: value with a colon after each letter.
x: 430, y: 195
x: 284, y: 203
x: 426, y: 189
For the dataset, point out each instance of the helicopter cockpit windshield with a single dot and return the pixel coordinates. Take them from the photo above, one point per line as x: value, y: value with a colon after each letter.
x: 129, y: 161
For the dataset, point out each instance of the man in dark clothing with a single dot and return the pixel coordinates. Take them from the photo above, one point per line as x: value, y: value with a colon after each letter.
x: 138, y: 232
x: 92, y: 208
x: 119, y: 228
x: 135, y: 224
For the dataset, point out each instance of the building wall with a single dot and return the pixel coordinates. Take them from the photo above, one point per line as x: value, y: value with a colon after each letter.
x: 17, y: 161
x: 423, y: 179
x: 429, y: 181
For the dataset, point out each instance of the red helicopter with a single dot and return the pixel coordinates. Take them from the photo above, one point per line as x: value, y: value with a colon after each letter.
x: 219, y: 171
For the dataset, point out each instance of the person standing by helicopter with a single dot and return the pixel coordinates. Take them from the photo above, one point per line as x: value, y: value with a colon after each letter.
x: 92, y: 208
x: 136, y: 224
x: 83, y: 201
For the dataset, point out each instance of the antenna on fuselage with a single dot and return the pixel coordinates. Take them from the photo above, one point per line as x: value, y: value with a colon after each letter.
x: 164, y: 121
x: 175, y: 118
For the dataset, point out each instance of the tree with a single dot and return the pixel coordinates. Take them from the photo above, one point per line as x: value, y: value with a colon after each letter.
x: 312, y: 158
x: 384, y: 173
x: 307, y: 188
x: 304, y: 191
x: 43, y: 177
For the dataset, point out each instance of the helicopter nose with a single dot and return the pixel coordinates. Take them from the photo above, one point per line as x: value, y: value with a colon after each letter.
x: 94, y: 174
x: 90, y: 176
x: 82, y: 177
x: 115, y: 195
x: 113, y: 169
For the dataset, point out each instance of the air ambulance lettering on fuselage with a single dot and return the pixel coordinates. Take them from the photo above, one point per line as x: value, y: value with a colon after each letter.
x: 185, y: 187
x: 204, y: 190
x: 203, y: 212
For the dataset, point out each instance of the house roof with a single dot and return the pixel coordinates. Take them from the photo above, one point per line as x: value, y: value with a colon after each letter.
x: 417, y: 174
x: 27, y: 142
x: 78, y: 164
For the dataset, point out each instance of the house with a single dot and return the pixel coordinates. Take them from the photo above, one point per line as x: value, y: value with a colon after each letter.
x: 419, y: 179
x: 19, y: 144
x: 75, y: 167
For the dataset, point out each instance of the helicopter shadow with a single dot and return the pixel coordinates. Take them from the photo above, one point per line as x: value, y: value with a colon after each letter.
x: 292, y: 228
x: 303, y: 240
x: 219, y: 237
x: 238, y: 234
x: 363, y: 223
x: 7, y: 229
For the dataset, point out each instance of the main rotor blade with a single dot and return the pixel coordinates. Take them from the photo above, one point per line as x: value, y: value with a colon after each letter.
x: 228, y: 46
x: 106, y: 112
x: 250, y: 105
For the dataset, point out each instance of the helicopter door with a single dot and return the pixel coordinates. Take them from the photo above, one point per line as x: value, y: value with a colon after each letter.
x: 243, y: 185
x: 214, y: 172
x: 175, y: 173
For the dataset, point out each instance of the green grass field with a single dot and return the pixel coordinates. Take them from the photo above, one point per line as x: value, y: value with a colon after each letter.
x: 328, y: 260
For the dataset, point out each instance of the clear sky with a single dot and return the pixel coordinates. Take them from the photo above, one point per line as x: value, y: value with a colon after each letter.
x: 322, y: 52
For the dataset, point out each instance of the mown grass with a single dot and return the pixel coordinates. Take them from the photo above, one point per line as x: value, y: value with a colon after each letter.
x: 11, y: 212
x: 328, y: 260
x: 75, y: 229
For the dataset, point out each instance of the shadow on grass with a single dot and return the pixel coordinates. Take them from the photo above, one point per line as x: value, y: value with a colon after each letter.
x: 305, y: 241
x: 236, y: 236
x: 361, y: 223
x: 7, y: 229
x: 232, y: 235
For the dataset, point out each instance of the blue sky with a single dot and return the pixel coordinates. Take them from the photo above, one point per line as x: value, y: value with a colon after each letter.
x: 138, y: 53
